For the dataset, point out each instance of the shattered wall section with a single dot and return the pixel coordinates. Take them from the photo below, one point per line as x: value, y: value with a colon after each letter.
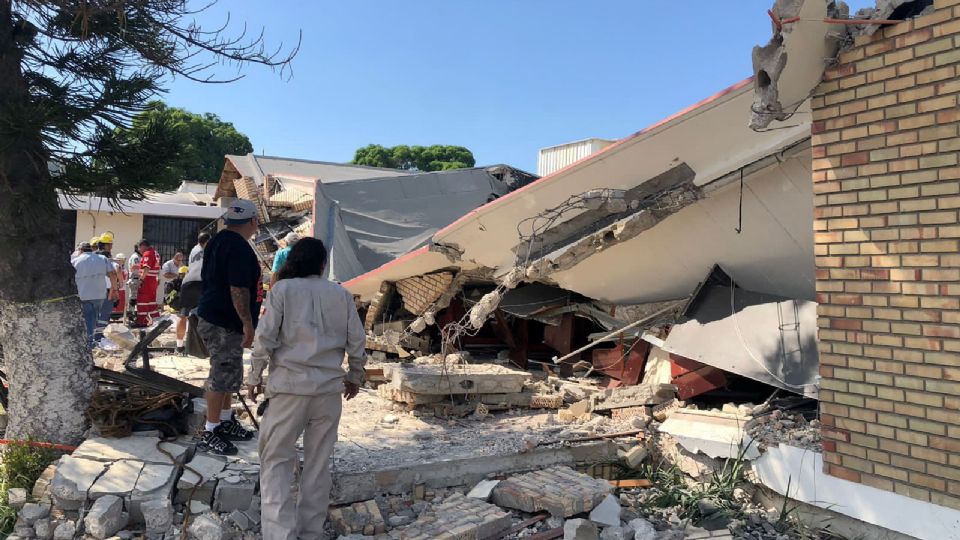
x: 887, y: 185
x: 420, y: 292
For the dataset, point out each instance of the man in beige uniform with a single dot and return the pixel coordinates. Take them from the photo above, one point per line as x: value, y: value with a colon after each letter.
x: 309, y: 326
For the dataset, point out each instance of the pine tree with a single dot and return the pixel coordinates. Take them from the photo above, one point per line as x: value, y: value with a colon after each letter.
x: 71, y: 73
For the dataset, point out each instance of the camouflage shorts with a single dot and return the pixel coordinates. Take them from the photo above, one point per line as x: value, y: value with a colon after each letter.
x: 226, y: 357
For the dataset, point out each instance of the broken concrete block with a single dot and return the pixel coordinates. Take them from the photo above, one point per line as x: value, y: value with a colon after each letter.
x: 483, y: 490
x: 199, y: 507
x: 642, y: 529
x: 580, y: 529
x: 616, y: 533
x: 206, y: 527
x: 199, y: 486
x: 65, y: 531
x: 665, y: 409
x: 435, y: 379
x: 23, y: 530
x: 31, y: 512
x: 233, y: 496
x: 635, y: 456
x: 558, y: 490
x: 607, y: 513
x: 132, y: 448
x: 635, y: 396
x: 156, y: 482
x: 119, y: 479
x: 16, y: 498
x: 157, y: 515
x: 43, y: 528
x: 239, y: 519
x: 41, y: 489
x: 105, y: 517
x: 73, y: 479
x: 362, y: 517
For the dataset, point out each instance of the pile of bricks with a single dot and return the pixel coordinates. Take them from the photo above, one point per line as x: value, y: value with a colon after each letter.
x: 456, y: 518
x: 560, y: 490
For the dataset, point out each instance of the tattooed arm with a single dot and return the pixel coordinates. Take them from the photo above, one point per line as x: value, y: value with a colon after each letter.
x: 241, y: 303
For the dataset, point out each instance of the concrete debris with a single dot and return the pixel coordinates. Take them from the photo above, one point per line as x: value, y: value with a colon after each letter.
x: 779, y: 427
x: 73, y: 479
x: 31, y: 512
x: 157, y: 515
x: 105, y: 517
x: 635, y: 396
x: 460, y: 379
x: 482, y: 310
x: 642, y: 529
x: 458, y: 517
x: 716, y: 434
x: 558, y: 490
x: 483, y: 490
x: 662, y: 411
x: 16, y: 498
x: 359, y: 518
x: 156, y: 482
x: 207, y: 527
x: 607, y: 513
x: 240, y: 520
x: 43, y: 528
x: 65, y: 530
x: 580, y: 529
x: 143, y: 449
x: 233, y: 494
x: 119, y: 479
x: 616, y: 533
x: 635, y: 456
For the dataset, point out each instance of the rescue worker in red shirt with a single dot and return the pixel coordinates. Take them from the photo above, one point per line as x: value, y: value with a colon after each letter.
x: 147, y: 307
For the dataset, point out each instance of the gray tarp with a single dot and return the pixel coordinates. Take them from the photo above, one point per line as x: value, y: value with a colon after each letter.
x: 767, y: 338
x: 370, y: 222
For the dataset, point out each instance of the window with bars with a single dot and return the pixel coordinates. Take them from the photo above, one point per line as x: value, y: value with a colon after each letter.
x: 169, y: 235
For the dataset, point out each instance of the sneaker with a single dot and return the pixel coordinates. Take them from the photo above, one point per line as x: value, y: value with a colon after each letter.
x: 212, y: 443
x: 232, y: 430
x: 181, y: 351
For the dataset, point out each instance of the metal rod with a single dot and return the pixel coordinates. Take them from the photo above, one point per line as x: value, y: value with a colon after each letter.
x: 614, y: 333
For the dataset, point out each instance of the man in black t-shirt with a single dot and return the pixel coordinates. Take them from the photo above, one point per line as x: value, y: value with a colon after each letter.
x: 228, y: 312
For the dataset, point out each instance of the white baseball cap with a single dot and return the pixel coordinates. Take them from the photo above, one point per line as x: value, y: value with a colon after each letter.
x: 240, y: 211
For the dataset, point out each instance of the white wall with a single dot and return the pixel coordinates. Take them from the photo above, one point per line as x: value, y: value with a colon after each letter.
x: 127, y: 229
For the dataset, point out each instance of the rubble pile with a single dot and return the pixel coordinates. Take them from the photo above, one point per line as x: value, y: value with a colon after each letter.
x: 783, y: 427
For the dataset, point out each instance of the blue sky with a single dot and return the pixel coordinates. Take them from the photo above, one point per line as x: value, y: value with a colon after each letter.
x: 501, y: 77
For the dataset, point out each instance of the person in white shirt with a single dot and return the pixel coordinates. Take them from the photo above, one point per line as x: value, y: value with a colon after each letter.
x: 309, y: 326
x: 168, y: 273
x: 191, y: 289
x: 92, y: 272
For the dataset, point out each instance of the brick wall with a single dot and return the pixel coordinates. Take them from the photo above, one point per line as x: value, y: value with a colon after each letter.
x: 887, y: 192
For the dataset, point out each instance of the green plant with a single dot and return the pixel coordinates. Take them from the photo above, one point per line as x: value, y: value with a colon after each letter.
x: 21, y: 464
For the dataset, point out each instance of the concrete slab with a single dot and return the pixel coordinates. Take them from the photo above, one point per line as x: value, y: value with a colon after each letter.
x: 156, y: 482
x: 119, y: 479
x: 716, y: 434
x: 559, y: 490
x: 634, y: 396
x: 458, y: 379
x: 134, y: 448
x: 73, y: 479
x: 360, y: 486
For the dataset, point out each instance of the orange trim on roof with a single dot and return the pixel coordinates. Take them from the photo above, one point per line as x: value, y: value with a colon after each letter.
x: 403, y: 258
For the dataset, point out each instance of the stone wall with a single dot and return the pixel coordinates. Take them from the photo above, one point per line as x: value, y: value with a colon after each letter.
x: 887, y: 192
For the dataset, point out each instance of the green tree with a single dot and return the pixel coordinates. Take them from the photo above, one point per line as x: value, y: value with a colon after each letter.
x: 71, y: 73
x: 415, y: 158
x: 204, y: 140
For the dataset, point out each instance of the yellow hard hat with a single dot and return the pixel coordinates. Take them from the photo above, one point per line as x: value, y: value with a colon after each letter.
x: 95, y: 240
x: 183, y: 270
x: 106, y: 238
